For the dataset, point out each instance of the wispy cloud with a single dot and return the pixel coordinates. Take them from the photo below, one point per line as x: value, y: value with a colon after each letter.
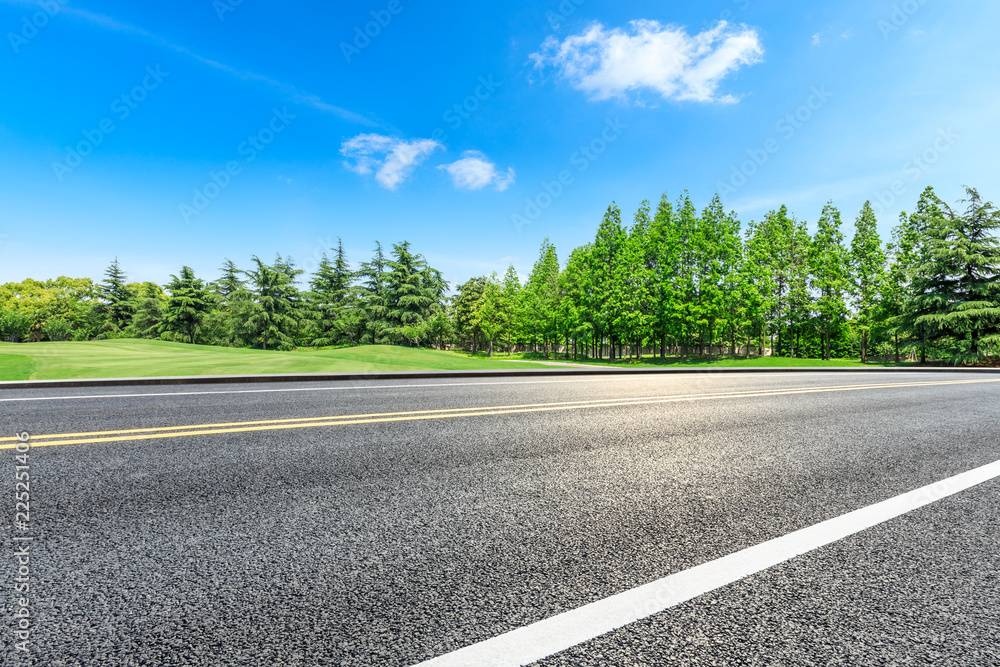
x: 292, y: 92
x: 392, y: 160
x: 647, y: 55
x: 817, y: 39
x: 474, y: 171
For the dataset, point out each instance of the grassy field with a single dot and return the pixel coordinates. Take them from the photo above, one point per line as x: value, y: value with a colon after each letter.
x: 147, y: 358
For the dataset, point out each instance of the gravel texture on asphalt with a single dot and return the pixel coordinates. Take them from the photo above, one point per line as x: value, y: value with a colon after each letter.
x: 390, y: 543
x: 921, y: 589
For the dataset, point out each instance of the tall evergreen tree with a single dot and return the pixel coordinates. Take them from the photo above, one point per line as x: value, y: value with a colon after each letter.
x: 272, y: 314
x: 465, y: 309
x: 958, y: 289
x: 830, y: 270
x: 541, y: 296
x: 375, y: 291
x: 632, y: 280
x: 119, y: 299
x: 187, y: 307
x: 605, y: 256
x: 409, y: 297
x: 868, y: 270
x: 662, y: 252
x: 331, y: 294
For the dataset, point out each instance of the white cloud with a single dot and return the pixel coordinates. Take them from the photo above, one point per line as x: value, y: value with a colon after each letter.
x: 393, y: 160
x: 475, y: 171
x: 816, y: 39
x: 608, y: 63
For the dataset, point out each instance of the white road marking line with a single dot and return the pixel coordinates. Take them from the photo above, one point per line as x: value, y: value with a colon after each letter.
x: 441, y: 384
x: 558, y: 633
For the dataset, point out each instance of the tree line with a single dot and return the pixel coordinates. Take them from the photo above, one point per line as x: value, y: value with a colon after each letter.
x: 677, y: 281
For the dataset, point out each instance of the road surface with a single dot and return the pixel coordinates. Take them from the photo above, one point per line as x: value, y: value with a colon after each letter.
x: 396, y: 522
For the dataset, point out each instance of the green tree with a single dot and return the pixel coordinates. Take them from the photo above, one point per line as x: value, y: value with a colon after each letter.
x: 632, y: 283
x: 540, y: 299
x: 374, y: 276
x: 605, y: 256
x: 868, y: 265
x: 187, y: 307
x: 958, y: 289
x: 58, y: 329
x: 14, y: 326
x: 409, y: 296
x: 464, y: 311
x: 147, y: 321
x: 332, y: 298
x: 271, y: 311
x: 576, y: 298
x: 830, y: 270
x: 489, y: 313
x: 119, y: 299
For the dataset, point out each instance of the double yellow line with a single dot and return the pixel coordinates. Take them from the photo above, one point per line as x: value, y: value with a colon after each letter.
x: 418, y: 415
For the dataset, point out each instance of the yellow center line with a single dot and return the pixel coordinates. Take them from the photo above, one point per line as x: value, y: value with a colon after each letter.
x: 326, y: 419
x: 316, y: 422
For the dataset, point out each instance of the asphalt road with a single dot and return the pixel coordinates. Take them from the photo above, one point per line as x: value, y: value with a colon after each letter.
x: 391, y: 538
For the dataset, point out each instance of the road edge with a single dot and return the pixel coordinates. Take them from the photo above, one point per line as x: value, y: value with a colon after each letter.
x: 432, y: 375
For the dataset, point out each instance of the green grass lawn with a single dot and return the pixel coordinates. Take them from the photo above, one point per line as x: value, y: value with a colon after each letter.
x: 147, y: 358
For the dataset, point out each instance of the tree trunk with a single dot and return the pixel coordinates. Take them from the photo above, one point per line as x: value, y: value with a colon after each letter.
x: 490, y: 353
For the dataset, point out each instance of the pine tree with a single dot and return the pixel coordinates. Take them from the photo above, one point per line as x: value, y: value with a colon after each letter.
x: 489, y: 313
x: 662, y: 253
x: 632, y: 282
x: 331, y: 294
x: 147, y: 321
x: 605, y: 255
x: 409, y: 296
x: 272, y: 315
x: 576, y: 307
x: 187, y: 307
x: 830, y: 270
x: 910, y: 251
x: 466, y: 304
x: 375, y: 295
x: 513, y: 315
x: 119, y: 299
x: 717, y: 258
x: 958, y: 288
x: 868, y: 270
x: 541, y: 296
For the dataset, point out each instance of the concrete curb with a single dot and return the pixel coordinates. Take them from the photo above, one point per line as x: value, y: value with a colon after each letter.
x: 435, y: 375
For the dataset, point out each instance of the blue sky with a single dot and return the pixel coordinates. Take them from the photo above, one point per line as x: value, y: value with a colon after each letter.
x: 222, y: 128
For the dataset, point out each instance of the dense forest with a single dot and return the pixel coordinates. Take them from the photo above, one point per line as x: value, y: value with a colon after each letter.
x: 675, y: 282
